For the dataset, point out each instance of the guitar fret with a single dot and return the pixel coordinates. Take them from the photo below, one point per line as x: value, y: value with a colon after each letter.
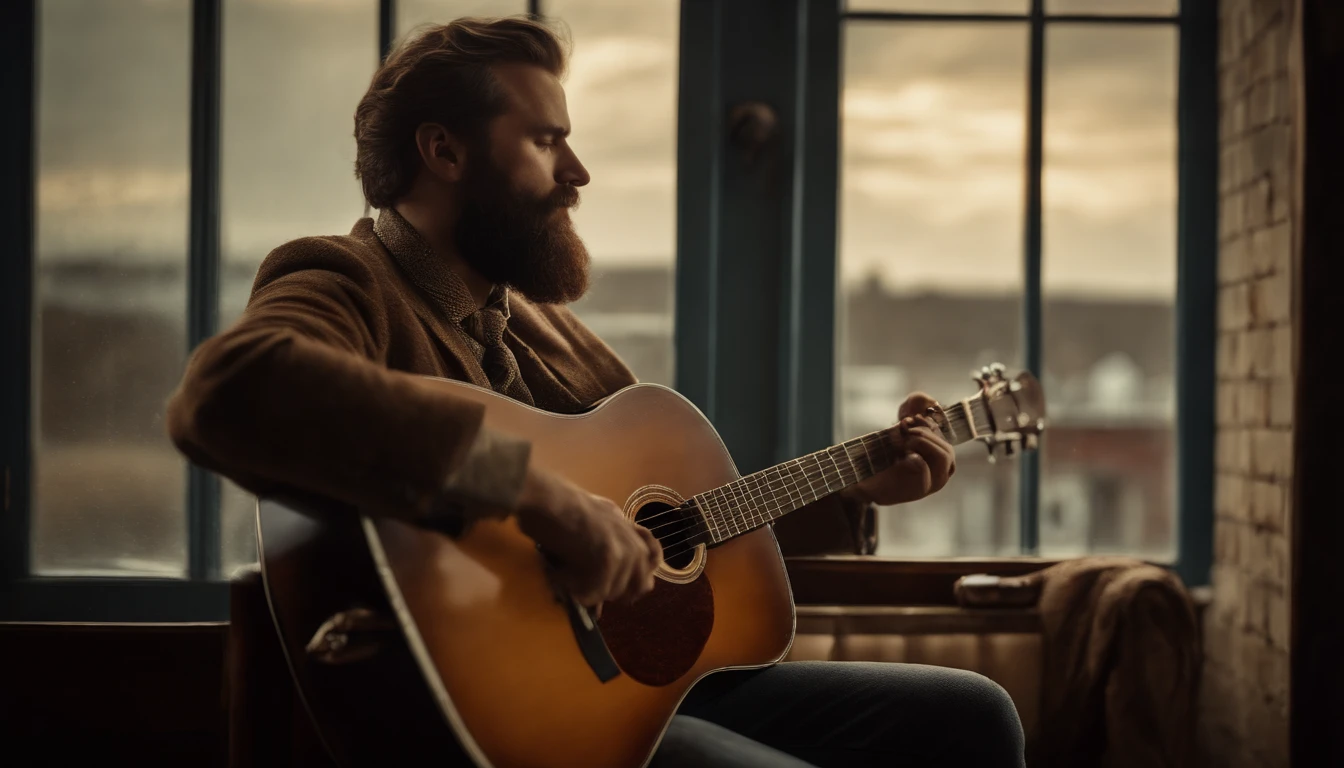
x: 707, y: 512
x: 763, y: 501
x: 744, y: 505
x: 821, y: 468
x: 721, y: 519
x: 839, y: 474
x: 723, y: 511
x: 822, y: 479
x: 785, y: 481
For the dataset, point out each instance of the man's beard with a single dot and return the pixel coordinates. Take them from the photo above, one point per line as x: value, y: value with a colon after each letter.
x: 516, y: 240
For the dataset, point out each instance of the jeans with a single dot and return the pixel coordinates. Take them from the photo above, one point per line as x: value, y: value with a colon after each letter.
x: 827, y: 714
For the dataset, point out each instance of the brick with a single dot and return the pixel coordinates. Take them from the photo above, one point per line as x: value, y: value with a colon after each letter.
x: 1262, y: 556
x: 1255, y: 620
x: 1258, y: 201
x: 1227, y: 595
x: 1234, y: 80
x: 1276, y: 564
x: 1234, y: 163
x: 1229, y: 42
x: 1225, y: 357
x: 1220, y: 646
x: 1232, y: 450
x: 1256, y: 352
x: 1272, y: 453
x: 1284, y: 107
x: 1281, y: 347
x: 1225, y: 403
x: 1266, y: 18
x: 1227, y: 543
x: 1231, y: 215
x: 1281, y: 394
x: 1269, y: 672
x: 1234, y: 307
x: 1264, y: 57
x: 1261, y: 102
x: 1239, y: 122
x: 1278, y: 621
x: 1271, y: 249
x: 1234, y: 261
x: 1233, y: 360
x: 1270, y: 299
x: 1229, y: 496
x: 1269, y: 153
x: 1252, y: 409
x: 1267, y: 510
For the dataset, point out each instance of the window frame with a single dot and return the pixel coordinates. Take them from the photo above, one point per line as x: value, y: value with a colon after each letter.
x: 728, y: 338
x: 716, y: 366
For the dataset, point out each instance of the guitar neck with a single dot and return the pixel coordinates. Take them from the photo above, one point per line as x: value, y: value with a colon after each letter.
x: 757, y: 499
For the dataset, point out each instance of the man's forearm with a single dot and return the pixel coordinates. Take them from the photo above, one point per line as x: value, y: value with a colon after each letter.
x: 487, y: 483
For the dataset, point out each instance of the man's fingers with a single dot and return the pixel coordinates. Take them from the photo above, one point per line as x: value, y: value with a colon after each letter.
x: 655, y: 549
x: 936, y: 453
x: 915, y: 404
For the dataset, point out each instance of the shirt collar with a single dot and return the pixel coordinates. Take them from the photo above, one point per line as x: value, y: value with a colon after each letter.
x: 430, y: 272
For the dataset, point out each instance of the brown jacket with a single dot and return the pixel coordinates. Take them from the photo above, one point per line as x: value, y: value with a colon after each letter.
x: 315, y: 388
x: 320, y: 386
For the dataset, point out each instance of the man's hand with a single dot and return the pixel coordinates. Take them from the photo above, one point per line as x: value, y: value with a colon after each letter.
x: 922, y: 460
x: 603, y: 556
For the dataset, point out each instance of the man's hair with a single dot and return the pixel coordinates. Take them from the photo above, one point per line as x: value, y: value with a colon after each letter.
x: 443, y: 76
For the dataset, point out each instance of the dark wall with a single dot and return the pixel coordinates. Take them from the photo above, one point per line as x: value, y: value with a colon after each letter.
x: 142, y: 695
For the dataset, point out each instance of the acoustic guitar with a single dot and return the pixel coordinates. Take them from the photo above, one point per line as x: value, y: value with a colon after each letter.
x: 411, y: 647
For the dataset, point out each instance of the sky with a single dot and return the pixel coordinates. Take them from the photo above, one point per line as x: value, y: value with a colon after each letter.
x: 933, y: 121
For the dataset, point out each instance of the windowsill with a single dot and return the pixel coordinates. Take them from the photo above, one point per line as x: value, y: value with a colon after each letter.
x: 114, y: 600
x: 915, y: 620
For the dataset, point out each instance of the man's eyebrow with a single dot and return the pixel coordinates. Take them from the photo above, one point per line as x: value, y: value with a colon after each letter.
x: 557, y: 131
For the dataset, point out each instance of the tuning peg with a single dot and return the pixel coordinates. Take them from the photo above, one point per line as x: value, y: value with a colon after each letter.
x: 993, y: 458
x: 1009, y: 448
x: 1031, y: 442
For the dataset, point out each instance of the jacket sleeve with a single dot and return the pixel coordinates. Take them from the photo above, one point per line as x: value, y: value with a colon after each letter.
x: 296, y: 394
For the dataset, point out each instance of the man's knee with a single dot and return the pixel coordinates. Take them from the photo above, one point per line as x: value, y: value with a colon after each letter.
x: 992, y: 726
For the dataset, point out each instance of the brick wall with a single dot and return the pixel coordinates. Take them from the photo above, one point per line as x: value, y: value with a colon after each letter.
x: 1244, y: 708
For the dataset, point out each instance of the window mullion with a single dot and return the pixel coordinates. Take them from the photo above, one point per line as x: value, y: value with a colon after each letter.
x: 18, y: 86
x: 203, y: 262
x: 1029, y: 485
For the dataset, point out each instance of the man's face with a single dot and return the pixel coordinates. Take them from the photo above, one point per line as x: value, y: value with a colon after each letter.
x: 514, y: 226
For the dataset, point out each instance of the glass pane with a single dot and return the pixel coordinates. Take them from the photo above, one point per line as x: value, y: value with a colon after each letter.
x: 110, y: 331
x: 293, y: 73
x: 413, y: 13
x: 940, y: 6
x: 1104, y: 7
x: 931, y: 251
x: 622, y: 94
x: 1109, y: 279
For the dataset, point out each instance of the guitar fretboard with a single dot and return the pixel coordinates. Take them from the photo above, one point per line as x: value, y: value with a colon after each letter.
x: 762, y: 497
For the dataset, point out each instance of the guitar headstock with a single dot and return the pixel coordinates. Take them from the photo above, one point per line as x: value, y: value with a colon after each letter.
x: 1015, y: 409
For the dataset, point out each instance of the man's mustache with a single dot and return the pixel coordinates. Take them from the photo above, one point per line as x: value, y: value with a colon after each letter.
x: 564, y: 197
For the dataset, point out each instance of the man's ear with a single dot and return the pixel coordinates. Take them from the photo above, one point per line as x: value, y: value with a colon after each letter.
x: 443, y: 153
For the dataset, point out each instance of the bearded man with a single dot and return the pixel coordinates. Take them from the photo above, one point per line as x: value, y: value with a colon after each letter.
x: 321, y: 386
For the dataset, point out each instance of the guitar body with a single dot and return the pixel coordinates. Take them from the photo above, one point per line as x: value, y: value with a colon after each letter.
x: 479, y: 658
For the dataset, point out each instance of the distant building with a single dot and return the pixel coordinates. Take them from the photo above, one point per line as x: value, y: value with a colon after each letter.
x: 111, y: 342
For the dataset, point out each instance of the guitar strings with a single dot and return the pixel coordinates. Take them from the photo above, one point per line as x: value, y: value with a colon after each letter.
x: 744, y: 486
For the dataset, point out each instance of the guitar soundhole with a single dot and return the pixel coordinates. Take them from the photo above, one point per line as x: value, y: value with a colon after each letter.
x: 673, y: 527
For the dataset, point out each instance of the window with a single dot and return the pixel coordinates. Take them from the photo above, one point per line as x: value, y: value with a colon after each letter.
x: 109, y: 325
x: 126, y: 275
x: 880, y: 242
x: 937, y: 110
